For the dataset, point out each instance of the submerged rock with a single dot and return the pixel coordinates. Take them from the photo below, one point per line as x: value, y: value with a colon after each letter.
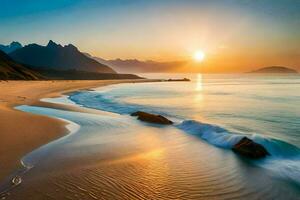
x: 148, y: 117
x: 250, y: 149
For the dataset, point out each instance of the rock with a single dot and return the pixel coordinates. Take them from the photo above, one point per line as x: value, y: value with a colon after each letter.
x: 173, y: 80
x: 148, y: 117
x: 247, y: 147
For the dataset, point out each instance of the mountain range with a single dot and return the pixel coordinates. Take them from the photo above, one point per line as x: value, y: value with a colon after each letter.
x: 138, y: 66
x: 57, y: 57
x: 54, y: 62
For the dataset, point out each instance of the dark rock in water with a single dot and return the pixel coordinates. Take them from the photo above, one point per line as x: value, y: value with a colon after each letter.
x: 147, y: 117
x: 182, y: 79
x: 249, y: 148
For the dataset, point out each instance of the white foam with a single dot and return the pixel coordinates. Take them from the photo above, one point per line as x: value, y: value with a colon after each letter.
x: 211, y: 133
x: 64, y: 99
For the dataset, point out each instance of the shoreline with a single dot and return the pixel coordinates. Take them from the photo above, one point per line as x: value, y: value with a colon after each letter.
x: 114, y: 148
x: 32, y: 131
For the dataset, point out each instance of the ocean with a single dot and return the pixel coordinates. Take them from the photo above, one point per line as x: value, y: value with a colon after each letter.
x: 111, y: 155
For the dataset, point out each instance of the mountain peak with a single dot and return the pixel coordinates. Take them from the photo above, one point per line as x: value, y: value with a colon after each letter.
x: 11, y: 47
x: 71, y: 46
x: 15, y: 44
x: 56, y: 56
x: 52, y: 44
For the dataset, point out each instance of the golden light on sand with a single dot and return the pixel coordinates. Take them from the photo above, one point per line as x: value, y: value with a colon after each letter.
x: 199, y: 56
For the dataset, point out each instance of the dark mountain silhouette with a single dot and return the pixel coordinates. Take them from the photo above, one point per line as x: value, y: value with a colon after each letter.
x: 51, y: 74
x: 10, y: 70
x: 13, y: 70
x: 57, y: 57
x: 137, y: 66
x: 275, y: 69
x: 11, y: 47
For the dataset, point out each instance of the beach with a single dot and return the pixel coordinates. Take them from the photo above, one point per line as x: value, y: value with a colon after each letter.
x: 94, y: 149
x: 22, y: 132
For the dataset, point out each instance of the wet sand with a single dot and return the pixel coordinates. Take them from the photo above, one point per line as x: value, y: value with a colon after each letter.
x: 20, y: 132
x: 115, y: 156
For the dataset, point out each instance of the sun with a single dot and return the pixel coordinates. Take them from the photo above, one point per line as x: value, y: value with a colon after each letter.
x: 199, y: 56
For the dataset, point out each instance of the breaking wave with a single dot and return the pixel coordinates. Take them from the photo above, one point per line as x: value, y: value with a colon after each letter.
x: 284, y: 159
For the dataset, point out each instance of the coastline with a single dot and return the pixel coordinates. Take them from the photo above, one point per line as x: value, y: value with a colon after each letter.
x: 22, y: 132
x: 111, y: 147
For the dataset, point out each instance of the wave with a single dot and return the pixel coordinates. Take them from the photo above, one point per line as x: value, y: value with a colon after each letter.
x: 213, y: 134
x: 221, y: 137
x: 284, y: 160
x: 100, y: 101
x: 95, y: 100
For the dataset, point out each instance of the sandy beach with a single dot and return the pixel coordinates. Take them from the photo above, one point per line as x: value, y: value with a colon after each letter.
x: 23, y: 132
x: 115, y: 156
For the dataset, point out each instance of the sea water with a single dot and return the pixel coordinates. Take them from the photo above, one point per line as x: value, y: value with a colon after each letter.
x: 113, y: 155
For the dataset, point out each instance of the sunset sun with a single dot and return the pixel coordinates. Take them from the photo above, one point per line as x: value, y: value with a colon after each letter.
x: 199, y: 56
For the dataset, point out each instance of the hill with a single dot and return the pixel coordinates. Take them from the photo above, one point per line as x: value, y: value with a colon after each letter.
x: 275, y: 69
x: 58, y: 57
x: 10, y: 70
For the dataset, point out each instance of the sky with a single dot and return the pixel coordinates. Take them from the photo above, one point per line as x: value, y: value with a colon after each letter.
x: 235, y: 35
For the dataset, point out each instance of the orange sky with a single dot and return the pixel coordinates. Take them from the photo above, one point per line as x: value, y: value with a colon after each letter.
x: 235, y: 35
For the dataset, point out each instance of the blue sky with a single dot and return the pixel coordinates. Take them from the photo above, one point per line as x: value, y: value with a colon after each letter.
x: 161, y: 30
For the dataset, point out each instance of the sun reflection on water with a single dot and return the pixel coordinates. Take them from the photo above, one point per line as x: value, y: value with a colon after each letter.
x: 199, y: 88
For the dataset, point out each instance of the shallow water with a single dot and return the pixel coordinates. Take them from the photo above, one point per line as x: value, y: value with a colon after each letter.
x: 116, y: 156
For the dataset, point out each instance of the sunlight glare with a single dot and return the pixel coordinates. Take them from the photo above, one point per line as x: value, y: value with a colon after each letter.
x: 199, y: 56
x: 199, y: 86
